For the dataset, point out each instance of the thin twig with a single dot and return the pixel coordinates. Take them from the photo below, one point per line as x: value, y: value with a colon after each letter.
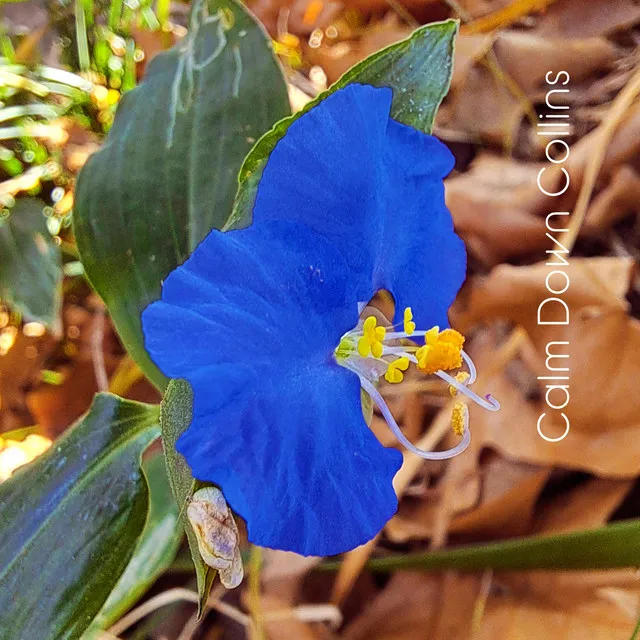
x: 481, y: 602
x: 505, y: 16
x: 161, y: 600
x: 178, y: 594
x: 255, y: 604
x: 604, y: 134
x: 403, y: 12
x: 97, y: 353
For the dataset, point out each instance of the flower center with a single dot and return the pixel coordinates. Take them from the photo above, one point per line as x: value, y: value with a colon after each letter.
x: 373, y: 352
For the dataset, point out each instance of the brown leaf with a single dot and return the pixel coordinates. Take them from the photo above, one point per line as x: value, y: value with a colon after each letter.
x: 580, y: 19
x: 604, y: 435
x: 505, y: 498
x: 587, y: 506
x: 415, y: 606
x: 619, y: 198
x: 495, y: 207
x: 528, y: 57
x: 512, y: 616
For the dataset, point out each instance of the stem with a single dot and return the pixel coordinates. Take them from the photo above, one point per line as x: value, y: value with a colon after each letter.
x: 613, y: 546
x: 81, y: 37
x: 257, y: 617
x: 162, y: 11
x: 115, y: 13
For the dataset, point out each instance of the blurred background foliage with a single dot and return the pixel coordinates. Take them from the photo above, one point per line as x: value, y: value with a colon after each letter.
x: 63, y: 69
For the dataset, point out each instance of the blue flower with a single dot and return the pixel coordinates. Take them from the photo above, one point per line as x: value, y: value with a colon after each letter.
x: 264, y: 324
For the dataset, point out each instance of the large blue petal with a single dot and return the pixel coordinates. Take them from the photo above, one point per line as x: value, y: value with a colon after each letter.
x: 252, y: 320
x: 295, y: 458
x: 373, y: 187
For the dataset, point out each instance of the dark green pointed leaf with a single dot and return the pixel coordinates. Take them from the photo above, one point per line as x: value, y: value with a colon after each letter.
x: 168, y: 172
x: 30, y: 263
x: 156, y: 548
x: 70, y: 521
x: 614, y: 546
x: 175, y: 417
x: 418, y: 69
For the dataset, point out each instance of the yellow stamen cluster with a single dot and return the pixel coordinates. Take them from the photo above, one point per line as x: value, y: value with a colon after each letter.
x: 441, y: 352
x: 461, y: 377
x: 371, y: 341
x: 409, y: 326
x: 459, y: 418
x: 394, y: 373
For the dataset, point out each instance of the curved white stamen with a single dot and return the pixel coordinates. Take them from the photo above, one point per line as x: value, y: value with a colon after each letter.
x: 393, y: 425
x: 489, y: 403
x: 399, y: 351
x: 397, y: 335
x: 473, y: 374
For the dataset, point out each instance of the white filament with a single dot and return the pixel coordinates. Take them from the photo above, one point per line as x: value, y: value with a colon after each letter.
x: 473, y: 374
x: 489, y: 403
x: 393, y: 425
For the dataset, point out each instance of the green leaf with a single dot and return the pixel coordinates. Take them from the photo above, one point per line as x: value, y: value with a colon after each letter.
x: 616, y: 545
x: 168, y: 172
x: 30, y: 263
x: 156, y: 549
x: 175, y: 417
x: 69, y: 522
x: 418, y: 69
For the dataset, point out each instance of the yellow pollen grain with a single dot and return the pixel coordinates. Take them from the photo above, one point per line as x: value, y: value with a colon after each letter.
x: 364, y: 348
x: 394, y: 373
x: 451, y: 336
x: 371, y: 341
x: 431, y: 336
x: 459, y: 418
x: 369, y: 324
x: 461, y: 377
x: 409, y: 326
x: 442, y: 351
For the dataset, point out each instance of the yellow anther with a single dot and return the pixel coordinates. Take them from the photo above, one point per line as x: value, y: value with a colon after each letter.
x: 393, y: 376
x: 394, y: 371
x: 371, y: 341
x: 364, y: 348
x: 452, y: 337
x: 409, y: 326
x: 431, y: 336
x: 459, y: 418
x: 461, y: 377
x: 369, y: 325
x: 442, y: 351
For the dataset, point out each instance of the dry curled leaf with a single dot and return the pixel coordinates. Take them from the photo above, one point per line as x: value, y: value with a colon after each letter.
x: 618, y: 199
x: 217, y: 534
x: 602, y: 343
x: 527, y: 58
x: 415, y: 606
